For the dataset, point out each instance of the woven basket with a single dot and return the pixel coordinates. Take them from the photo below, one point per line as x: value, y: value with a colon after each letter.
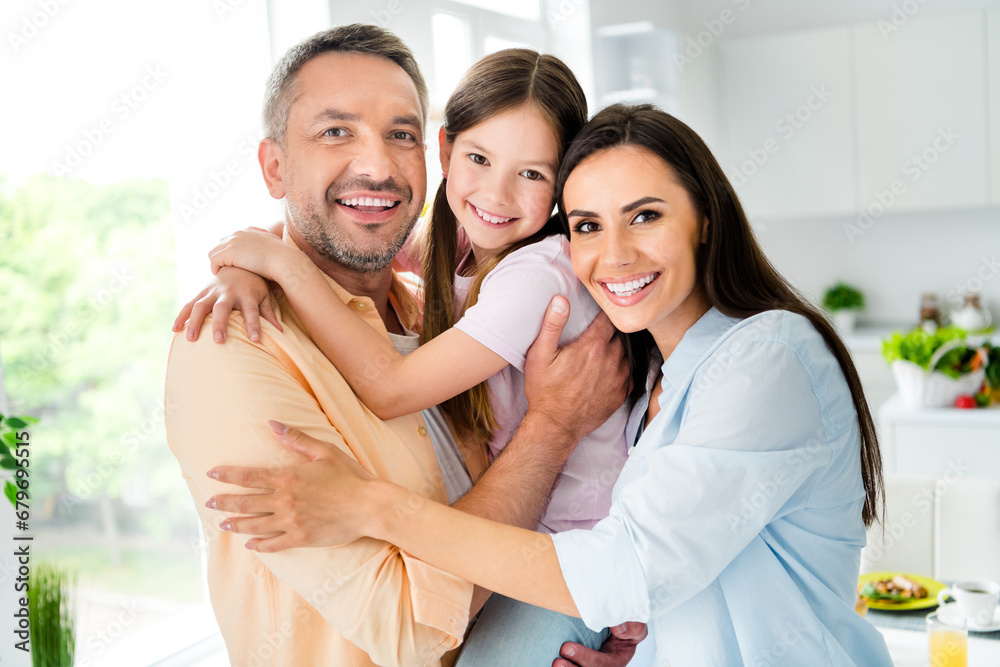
x: 921, y: 388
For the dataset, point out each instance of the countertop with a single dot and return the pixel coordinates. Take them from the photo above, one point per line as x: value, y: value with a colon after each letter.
x: 893, y: 411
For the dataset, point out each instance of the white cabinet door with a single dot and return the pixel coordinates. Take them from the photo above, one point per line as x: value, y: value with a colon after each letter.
x: 993, y: 49
x: 921, y: 114
x: 788, y: 104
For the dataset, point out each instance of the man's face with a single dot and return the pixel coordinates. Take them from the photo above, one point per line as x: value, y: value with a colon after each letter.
x: 353, y: 171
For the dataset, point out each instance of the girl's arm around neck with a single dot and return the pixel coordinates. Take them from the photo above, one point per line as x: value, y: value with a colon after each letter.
x: 389, y: 383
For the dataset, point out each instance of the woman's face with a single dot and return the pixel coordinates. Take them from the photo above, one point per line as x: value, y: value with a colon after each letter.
x: 501, y: 176
x: 634, y: 236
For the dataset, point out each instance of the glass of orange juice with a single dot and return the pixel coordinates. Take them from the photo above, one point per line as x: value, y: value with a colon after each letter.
x: 947, y: 637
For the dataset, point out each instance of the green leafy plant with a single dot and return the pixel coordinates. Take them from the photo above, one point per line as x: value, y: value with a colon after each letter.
x: 9, y: 428
x: 51, y: 616
x: 918, y: 346
x: 843, y: 297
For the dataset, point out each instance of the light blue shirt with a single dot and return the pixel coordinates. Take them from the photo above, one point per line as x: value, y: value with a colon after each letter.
x: 735, y: 530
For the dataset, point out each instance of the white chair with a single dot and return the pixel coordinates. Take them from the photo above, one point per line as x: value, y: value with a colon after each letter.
x: 967, y: 530
x: 904, y: 542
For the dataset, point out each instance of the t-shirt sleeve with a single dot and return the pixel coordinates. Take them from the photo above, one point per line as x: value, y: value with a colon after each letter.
x: 512, y: 301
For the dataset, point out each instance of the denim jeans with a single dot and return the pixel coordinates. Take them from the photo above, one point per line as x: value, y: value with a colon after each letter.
x: 514, y: 633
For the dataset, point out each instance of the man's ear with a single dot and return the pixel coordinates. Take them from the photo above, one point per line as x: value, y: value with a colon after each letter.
x: 445, y: 152
x: 272, y: 159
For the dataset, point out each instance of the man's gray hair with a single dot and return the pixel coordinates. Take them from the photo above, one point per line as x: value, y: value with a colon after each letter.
x: 281, y: 93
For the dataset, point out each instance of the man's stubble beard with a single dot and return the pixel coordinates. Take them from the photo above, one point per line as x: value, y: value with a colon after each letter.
x: 326, y: 238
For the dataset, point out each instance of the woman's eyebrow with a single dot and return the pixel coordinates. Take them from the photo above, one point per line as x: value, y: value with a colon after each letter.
x: 577, y: 213
x: 641, y: 202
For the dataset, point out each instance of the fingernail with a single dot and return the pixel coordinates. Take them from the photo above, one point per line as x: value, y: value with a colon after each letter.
x: 211, y: 504
x: 218, y: 336
x: 254, y: 336
x: 277, y: 427
x: 190, y: 334
x: 249, y: 545
x: 213, y: 473
x: 559, y: 306
x: 224, y: 525
x: 570, y: 651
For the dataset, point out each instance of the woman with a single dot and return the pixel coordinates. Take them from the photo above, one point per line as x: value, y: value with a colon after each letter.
x: 738, y: 520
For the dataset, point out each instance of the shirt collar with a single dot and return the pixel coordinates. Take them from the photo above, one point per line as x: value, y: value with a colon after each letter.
x: 400, y: 298
x: 696, y: 341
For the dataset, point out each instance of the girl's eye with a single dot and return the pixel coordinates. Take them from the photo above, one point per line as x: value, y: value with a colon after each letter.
x: 478, y: 159
x: 532, y: 175
x: 585, y: 227
x: 645, y: 216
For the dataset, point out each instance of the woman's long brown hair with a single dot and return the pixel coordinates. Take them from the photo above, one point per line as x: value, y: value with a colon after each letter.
x: 500, y: 81
x: 732, y: 270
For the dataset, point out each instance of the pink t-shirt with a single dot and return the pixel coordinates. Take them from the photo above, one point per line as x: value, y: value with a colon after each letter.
x: 506, y: 318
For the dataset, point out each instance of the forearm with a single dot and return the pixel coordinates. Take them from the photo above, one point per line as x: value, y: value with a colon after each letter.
x: 512, y: 561
x: 516, y: 488
x: 362, y: 355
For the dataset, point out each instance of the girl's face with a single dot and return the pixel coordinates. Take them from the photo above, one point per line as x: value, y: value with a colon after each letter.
x: 634, y: 235
x: 501, y: 175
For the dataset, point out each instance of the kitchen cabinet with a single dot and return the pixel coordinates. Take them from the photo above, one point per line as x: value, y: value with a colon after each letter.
x: 942, y: 442
x: 788, y: 102
x: 634, y: 65
x: 993, y: 68
x: 922, y: 127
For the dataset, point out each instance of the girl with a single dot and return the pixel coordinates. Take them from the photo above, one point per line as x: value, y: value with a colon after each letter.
x: 505, y: 129
x: 738, y: 522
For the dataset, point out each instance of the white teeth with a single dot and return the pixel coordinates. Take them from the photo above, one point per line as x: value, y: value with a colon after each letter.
x: 493, y: 219
x: 630, y: 287
x: 368, y: 201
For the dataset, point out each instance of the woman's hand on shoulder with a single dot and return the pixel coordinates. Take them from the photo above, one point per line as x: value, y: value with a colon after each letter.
x: 231, y: 289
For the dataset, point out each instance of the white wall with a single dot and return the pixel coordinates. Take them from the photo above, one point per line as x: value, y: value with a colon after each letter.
x: 897, y: 258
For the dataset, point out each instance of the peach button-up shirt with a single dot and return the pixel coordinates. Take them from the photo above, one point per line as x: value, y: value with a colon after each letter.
x: 364, y: 603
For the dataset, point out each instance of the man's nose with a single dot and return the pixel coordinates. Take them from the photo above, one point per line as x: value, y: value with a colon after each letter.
x: 373, y: 159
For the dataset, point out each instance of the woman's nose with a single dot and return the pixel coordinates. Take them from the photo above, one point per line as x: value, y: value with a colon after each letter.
x: 618, y: 249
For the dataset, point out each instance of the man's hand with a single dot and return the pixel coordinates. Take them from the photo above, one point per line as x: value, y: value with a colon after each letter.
x: 579, y: 386
x: 616, y: 651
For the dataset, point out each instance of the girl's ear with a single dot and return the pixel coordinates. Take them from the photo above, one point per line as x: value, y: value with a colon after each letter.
x: 445, y: 151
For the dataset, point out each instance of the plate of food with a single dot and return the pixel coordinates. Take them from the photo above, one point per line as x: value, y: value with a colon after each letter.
x: 898, y: 591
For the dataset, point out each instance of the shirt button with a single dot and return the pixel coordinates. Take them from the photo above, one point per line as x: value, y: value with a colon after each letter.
x: 360, y: 305
x: 422, y: 431
x: 666, y: 663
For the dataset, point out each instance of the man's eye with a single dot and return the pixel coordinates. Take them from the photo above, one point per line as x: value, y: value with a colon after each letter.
x: 532, y: 175
x: 335, y: 132
x: 404, y: 136
x: 478, y: 159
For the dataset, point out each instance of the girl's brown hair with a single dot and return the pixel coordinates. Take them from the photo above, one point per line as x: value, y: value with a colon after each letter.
x: 500, y: 81
x: 731, y: 267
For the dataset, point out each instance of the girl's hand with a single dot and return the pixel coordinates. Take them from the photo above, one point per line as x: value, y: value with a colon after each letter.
x: 255, y: 250
x: 231, y: 288
x: 312, y: 504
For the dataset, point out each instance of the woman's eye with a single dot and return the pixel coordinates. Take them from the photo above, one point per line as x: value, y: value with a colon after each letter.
x: 532, y: 175
x: 478, y: 159
x: 585, y: 227
x: 646, y: 216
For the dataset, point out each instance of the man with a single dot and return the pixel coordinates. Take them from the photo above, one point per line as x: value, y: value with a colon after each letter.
x: 344, y: 115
